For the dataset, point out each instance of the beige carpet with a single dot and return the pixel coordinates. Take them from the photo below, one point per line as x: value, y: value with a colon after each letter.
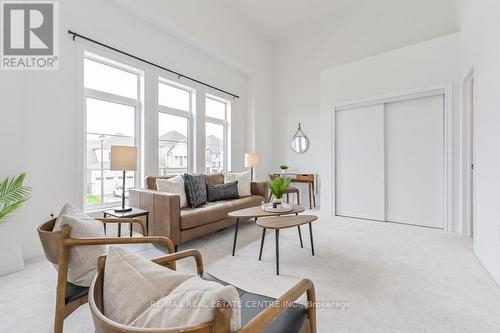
x: 371, y: 277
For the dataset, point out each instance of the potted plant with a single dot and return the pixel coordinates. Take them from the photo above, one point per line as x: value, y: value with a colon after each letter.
x: 278, y: 187
x: 12, y: 195
x: 284, y: 168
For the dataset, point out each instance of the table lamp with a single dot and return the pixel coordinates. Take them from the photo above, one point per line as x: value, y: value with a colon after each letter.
x: 123, y: 158
x: 251, y: 161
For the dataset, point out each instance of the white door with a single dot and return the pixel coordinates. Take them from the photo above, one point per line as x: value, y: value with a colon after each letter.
x: 414, y: 163
x: 359, y: 167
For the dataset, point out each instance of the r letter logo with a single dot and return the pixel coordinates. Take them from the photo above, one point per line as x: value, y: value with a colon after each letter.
x: 30, y: 35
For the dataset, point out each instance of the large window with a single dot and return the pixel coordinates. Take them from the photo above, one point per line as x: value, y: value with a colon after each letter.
x: 174, y: 113
x: 216, y: 134
x: 111, y: 100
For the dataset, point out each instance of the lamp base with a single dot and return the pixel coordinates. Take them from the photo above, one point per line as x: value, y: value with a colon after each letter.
x: 123, y: 210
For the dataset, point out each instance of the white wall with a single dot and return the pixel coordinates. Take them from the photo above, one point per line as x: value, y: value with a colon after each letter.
x: 47, y: 130
x: 12, y: 142
x: 433, y: 63
x: 480, y: 20
x: 218, y: 29
x: 372, y: 28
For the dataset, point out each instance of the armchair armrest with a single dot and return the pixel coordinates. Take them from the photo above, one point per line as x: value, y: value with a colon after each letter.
x: 182, y: 255
x: 266, y: 317
x: 259, y: 188
x: 125, y: 220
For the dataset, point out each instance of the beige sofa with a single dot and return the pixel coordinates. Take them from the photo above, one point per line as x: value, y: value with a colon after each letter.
x: 166, y: 218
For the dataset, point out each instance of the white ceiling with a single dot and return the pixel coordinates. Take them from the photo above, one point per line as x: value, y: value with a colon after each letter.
x: 280, y: 19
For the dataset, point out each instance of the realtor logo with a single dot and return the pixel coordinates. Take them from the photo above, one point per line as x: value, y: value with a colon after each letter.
x: 29, y: 36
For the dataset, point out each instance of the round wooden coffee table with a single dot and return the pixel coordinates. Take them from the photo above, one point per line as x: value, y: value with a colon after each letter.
x: 283, y: 222
x: 258, y: 212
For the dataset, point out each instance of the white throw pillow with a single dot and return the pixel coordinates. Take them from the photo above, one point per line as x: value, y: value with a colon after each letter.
x: 191, y: 303
x: 140, y: 293
x: 82, y: 261
x: 243, y: 179
x: 132, y: 282
x: 173, y: 185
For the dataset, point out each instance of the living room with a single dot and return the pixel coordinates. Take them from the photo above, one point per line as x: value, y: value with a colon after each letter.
x: 337, y: 156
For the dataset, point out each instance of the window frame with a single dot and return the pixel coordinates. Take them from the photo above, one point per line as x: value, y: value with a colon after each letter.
x: 120, y: 64
x: 226, y: 131
x: 179, y: 113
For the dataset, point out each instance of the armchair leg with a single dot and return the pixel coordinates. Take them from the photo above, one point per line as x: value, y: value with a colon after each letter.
x: 59, y: 322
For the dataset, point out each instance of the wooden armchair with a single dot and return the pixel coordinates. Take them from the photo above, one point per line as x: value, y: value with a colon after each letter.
x: 283, y: 317
x: 56, y: 245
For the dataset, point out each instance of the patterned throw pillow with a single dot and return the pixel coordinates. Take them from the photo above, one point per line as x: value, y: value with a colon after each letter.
x: 196, y: 191
x: 222, y: 191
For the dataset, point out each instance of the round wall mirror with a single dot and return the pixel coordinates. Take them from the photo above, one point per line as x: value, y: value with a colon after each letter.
x: 300, y: 142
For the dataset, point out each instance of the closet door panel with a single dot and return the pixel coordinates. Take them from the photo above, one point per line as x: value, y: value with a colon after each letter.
x: 359, y: 162
x: 415, y: 161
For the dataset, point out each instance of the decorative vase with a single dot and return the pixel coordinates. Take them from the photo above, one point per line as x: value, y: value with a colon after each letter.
x: 277, y: 203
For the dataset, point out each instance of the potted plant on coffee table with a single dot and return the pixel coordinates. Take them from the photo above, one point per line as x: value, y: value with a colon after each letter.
x: 278, y: 187
x: 284, y: 168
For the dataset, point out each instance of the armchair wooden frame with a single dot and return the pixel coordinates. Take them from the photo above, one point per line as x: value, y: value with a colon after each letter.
x: 221, y: 322
x: 56, y: 245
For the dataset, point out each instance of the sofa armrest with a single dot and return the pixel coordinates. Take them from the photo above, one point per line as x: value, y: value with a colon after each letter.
x: 259, y: 188
x: 164, y: 212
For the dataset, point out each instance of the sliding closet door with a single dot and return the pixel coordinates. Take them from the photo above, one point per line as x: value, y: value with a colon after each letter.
x: 414, y: 135
x: 359, y: 162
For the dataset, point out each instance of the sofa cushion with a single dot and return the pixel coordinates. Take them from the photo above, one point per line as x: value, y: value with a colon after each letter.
x: 215, y: 211
x: 214, y: 179
x: 243, y: 179
x: 222, y: 191
x: 196, y: 190
x: 173, y: 185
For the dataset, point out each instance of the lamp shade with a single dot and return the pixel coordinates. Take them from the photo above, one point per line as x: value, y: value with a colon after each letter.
x: 251, y: 160
x: 123, y: 158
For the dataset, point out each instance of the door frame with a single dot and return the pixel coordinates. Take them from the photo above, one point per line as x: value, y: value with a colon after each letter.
x: 447, y: 91
x: 468, y: 226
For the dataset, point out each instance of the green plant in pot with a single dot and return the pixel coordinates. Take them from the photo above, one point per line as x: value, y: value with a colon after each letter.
x: 278, y: 187
x: 284, y: 168
x: 12, y: 195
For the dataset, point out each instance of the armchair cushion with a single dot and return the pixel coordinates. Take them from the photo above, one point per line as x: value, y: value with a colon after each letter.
x: 290, y: 321
x: 140, y: 293
x: 82, y: 261
x: 132, y: 282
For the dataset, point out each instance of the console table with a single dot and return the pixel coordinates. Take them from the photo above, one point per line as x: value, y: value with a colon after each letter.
x: 307, y: 178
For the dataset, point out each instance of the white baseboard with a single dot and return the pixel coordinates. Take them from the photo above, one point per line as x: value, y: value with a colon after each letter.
x: 9, y: 269
x: 34, y: 253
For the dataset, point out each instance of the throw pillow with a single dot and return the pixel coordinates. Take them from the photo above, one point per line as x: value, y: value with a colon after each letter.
x: 173, y: 185
x: 243, y: 179
x: 222, y: 191
x: 82, y: 261
x: 128, y: 277
x: 162, y: 298
x: 191, y: 303
x: 196, y: 191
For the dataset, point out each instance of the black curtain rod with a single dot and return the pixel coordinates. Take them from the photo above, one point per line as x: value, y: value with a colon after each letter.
x: 179, y: 75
